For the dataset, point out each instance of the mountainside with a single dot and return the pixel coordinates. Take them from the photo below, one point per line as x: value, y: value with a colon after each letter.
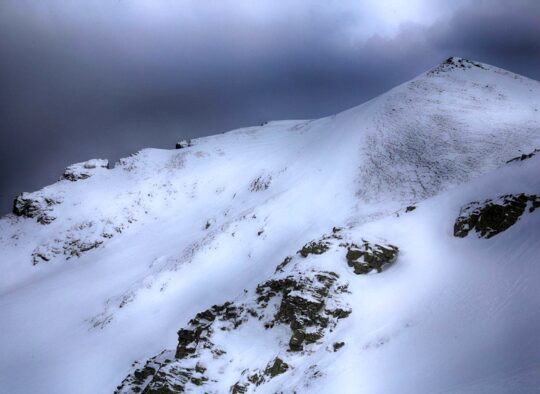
x: 389, y: 248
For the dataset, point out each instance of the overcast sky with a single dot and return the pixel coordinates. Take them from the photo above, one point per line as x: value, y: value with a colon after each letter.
x: 104, y: 78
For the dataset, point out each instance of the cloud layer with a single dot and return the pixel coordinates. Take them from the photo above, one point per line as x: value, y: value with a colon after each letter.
x: 103, y: 79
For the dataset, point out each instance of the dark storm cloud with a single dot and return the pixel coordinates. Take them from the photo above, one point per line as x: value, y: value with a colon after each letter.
x: 505, y: 33
x: 103, y: 79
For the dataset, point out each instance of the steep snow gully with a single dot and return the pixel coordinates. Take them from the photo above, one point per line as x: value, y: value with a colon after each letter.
x: 391, y: 248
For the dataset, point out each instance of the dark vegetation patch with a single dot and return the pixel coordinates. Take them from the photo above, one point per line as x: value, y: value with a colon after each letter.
x: 493, y: 217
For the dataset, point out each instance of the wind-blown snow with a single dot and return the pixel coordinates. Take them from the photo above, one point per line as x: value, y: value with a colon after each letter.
x: 132, y: 253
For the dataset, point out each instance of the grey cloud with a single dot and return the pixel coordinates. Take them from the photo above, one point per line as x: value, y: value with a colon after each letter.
x: 506, y: 33
x: 88, y: 81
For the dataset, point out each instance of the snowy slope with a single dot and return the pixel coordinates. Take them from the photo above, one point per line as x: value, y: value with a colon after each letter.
x: 102, y: 268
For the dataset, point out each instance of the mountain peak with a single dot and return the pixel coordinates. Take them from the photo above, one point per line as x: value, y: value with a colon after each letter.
x: 457, y: 63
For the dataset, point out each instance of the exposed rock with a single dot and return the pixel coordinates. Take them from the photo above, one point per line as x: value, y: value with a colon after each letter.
x: 455, y: 63
x: 524, y: 156
x: 410, y: 208
x: 78, y: 239
x: 35, y: 205
x: 321, y: 245
x: 84, y: 170
x: 302, y: 305
x: 200, y: 328
x: 159, y: 375
x: 276, y: 368
x: 283, y: 264
x: 368, y: 257
x: 183, y: 144
x: 260, y: 183
x: 493, y: 217
x: 167, y: 372
x: 307, y: 301
x: 237, y: 388
x: 314, y: 247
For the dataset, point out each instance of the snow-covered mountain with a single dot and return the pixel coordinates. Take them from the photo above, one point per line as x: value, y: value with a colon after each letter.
x: 391, y: 248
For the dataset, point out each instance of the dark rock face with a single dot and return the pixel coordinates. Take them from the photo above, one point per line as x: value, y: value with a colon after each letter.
x: 524, y: 156
x: 183, y: 144
x: 84, y: 170
x: 302, y: 305
x: 314, y: 247
x: 368, y: 257
x: 200, y: 328
x: 283, y: 264
x: 261, y: 183
x: 238, y: 388
x: 165, y: 373
x: 158, y: 375
x: 299, y: 306
x: 273, y: 369
x: 31, y: 205
x: 277, y: 368
x: 493, y: 217
x: 455, y: 63
x: 308, y: 301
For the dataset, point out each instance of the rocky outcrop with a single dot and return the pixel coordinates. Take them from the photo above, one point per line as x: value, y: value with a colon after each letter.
x: 303, y: 305
x: 35, y: 205
x: 492, y: 217
x: 261, y: 183
x: 184, y: 144
x: 455, y: 63
x: 524, y: 156
x: 76, y: 240
x: 308, y: 303
x: 368, y: 257
x: 322, y: 245
x: 314, y: 247
x: 300, y: 306
x: 84, y: 170
x: 303, y: 300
